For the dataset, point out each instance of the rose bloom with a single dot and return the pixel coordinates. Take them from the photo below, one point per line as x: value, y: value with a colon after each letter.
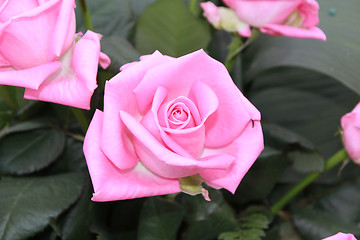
x: 38, y: 52
x: 168, y: 122
x: 350, y: 124
x: 292, y: 18
x: 341, y: 236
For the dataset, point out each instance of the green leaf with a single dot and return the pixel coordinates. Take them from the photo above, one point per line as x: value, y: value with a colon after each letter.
x: 338, y: 57
x: 260, y: 180
x: 207, y: 219
x: 307, y: 161
x: 314, y: 224
x: 76, y: 224
x: 26, y: 152
x: 25, y: 126
x: 28, y: 204
x: 119, y: 50
x: 343, y: 201
x: 253, y: 221
x: 280, y: 137
x: 170, y: 27
x: 160, y: 219
x: 303, y: 101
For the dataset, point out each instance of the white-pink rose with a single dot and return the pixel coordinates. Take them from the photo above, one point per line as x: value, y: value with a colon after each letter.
x: 341, y: 236
x: 38, y: 52
x: 166, y: 119
x: 295, y: 18
x: 350, y: 124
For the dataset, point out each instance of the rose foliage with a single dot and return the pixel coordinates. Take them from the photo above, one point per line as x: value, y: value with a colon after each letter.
x: 225, y: 120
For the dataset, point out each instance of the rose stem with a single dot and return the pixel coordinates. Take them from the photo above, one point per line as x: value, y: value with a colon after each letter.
x: 86, y: 14
x: 80, y: 117
x: 330, y: 163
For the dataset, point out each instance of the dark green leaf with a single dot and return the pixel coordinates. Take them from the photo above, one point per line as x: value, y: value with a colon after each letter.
x: 307, y: 161
x: 170, y: 27
x: 28, y: 204
x: 315, y: 224
x: 27, y: 152
x: 343, y: 201
x: 119, y: 50
x: 77, y: 222
x: 160, y: 219
x: 260, y: 179
x: 25, y: 126
x: 207, y: 219
x: 303, y: 101
x: 71, y: 160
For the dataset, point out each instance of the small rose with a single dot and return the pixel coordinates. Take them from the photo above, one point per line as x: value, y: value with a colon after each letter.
x: 350, y: 124
x: 295, y: 18
x: 168, y: 125
x: 38, y: 52
x: 341, y: 236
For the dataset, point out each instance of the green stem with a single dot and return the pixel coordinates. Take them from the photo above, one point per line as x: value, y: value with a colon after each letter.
x: 236, y: 47
x: 193, y: 6
x: 86, y: 14
x: 79, y: 114
x: 330, y: 163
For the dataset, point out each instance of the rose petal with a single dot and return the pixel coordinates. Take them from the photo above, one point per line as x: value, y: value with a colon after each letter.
x: 309, y: 11
x: 259, y: 13
x: 277, y: 30
x: 28, y: 78
x: 104, y: 60
x: 164, y: 162
x: 211, y: 13
x: 350, y: 124
x: 111, y: 183
x: 245, y: 148
x: 23, y: 34
x: 76, y: 82
x: 186, y: 142
x: 116, y: 140
x: 64, y: 30
x: 341, y: 236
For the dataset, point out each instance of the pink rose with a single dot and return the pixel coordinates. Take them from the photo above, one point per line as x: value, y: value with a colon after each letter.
x: 38, y: 52
x: 166, y: 119
x: 295, y: 18
x: 350, y: 124
x: 341, y: 236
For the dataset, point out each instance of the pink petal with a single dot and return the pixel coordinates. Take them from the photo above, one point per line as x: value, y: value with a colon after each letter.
x: 76, y: 82
x: 116, y: 140
x: 246, y: 148
x: 277, y: 30
x: 177, y: 76
x: 104, y: 60
x: 28, y: 78
x: 259, y: 13
x: 164, y: 162
x: 245, y: 31
x: 111, y: 183
x: 64, y: 30
x: 28, y: 35
x: 341, y: 236
x: 185, y: 142
x: 350, y: 124
x: 309, y: 11
x: 211, y: 13
x: 10, y: 8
